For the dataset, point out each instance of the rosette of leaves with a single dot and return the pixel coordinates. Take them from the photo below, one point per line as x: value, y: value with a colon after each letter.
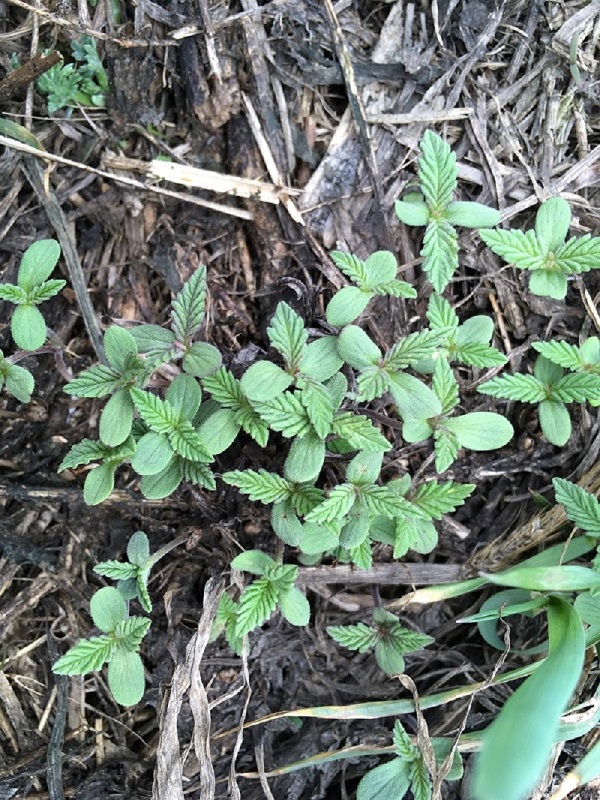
x: 125, y: 370
x: 468, y: 343
x: 477, y: 430
x: 118, y: 646
x: 309, y: 413
x: 274, y: 588
x: 159, y: 345
x: 551, y: 390
x: 408, y: 532
x: 387, y: 636
x: 171, y: 448
x: 133, y: 575
x: 379, y: 373
x: 585, y: 358
x: 408, y: 769
x: 434, y: 209
x: 375, y: 276
x: 545, y: 251
x: 17, y: 380
x: 27, y: 325
x: 83, y: 82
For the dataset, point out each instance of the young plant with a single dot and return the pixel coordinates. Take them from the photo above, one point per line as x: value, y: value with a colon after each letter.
x: 27, y: 325
x: 433, y: 207
x: 83, y: 82
x: 467, y: 343
x: 408, y: 769
x: 122, y: 634
x: 375, y: 276
x: 552, y: 389
x: 544, y: 252
x: 585, y: 358
x: 478, y: 430
x: 390, y: 639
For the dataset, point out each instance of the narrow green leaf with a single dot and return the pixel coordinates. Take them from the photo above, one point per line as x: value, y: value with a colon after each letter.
x: 285, y: 414
x: 444, y: 385
x: 437, y: 171
x: 478, y: 355
x: 577, y: 388
x: 186, y: 442
x: 116, y: 570
x: 358, y: 637
x: 446, y: 448
x: 440, y: 313
x: 526, y: 388
x: 187, y: 312
x: 566, y: 578
x: 578, y: 255
x: 256, y: 605
x: 13, y: 294
x: 337, y: 504
x: 350, y: 265
x: 412, y: 349
x: 359, y: 432
x: 318, y: 403
x: 561, y: 353
x: 436, y: 499
x: 225, y: 389
x: 440, y: 253
x: 288, y: 335
x: 158, y: 414
x: 516, y: 247
x: 116, y: 418
x: 39, y: 294
x: 132, y: 631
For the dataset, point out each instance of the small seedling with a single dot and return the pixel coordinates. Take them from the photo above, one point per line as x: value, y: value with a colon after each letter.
x: 17, y: 380
x: 83, y: 82
x: 390, y: 639
x: 27, y: 325
x: 551, y: 389
x: 122, y: 635
x: 544, y: 251
x: 409, y: 770
x: 433, y: 207
x: 478, y: 430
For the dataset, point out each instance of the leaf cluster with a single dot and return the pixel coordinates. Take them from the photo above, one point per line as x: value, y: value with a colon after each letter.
x: 82, y: 82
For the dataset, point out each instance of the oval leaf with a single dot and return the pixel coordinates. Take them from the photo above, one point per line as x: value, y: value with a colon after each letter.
x: 219, y: 431
x: 555, y: 422
x: 286, y: 524
x: 413, y: 398
x: 153, y: 454
x: 305, y: 459
x: 264, y: 381
x: 357, y: 348
x: 107, y: 608
x: 552, y: 223
x: 98, y: 485
x: 254, y: 561
x: 116, y: 418
x: 202, y: 359
x: 346, y: 305
x: 381, y: 267
x: 126, y: 677
x: 472, y: 215
x: 481, y: 430
x: 19, y: 382
x: 295, y: 607
x: 118, y: 345
x: 184, y: 394
x: 320, y: 359
x: 138, y: 549
x: 412, y: 213
x: 28, y: 327
x: 545, y: 283
x: 37, y: 263
x: 155, y: 487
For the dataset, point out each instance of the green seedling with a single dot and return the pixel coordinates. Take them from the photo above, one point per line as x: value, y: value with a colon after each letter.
x: 585, y: 358
x: 387, y: 636
x: 434, y: 208
x: 122, y: 635
x: 375, y: 276
x: 274, y: 587
x: 409, y: 770
x: 544, y: 251
x: 552, y: 390
x: 478, y: 430
x: 33, y: 287
x: 83, y: 82
x: 17, y: 380
x: 467, y: 343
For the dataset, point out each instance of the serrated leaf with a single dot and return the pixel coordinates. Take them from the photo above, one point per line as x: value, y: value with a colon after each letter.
x: 561, y: 353
x: 107, y: 608
x: 225, y: 389
x: 407, y: 640
x: 420, y: 784
x: 253, y: 425
x: 440, y: 253
x: 362, y: 556
x: 578, y: 255
x: 187, y: 312
x: 133, y: 630
x: 577, y: 388
x: 116, y: 418
x: 259, y: 485
x: 403, y: 745
x: 158, y: 414
x: 581, y: 507
x: 186, y: 441
x: 350, y: 265
x: 37, y: 263
x: 359, y: 432
x: 265, y: 381
x: 116, y: 569
x: 446, y: 449
x: 372, y: 382
x: 522, y: 249
x: 28, y: 327
x: 119, y: 346
x: 95, y: 382
x: 305, y: 497
x: 337, y: 504
x: 288, y: 335
x: 318, y: 403
x: 305, y: 458
x: 444, y: 385
x: 84, y: 452
x: 357, y: 348
x: 86, y: 656
x: 440, y: 313
x: 437, y: 499
x: 358, y: 637
x: 478, y: 355
x: 552, y: 223
x: 13, y: 294
x: 526, y: 388
x: 126, y: 677
x: 285, y: 414
x: 395, y: 289
x: 256, y: 605
x: 412, y: 349
x: 347, y: 304
x: 437, y: 171
x: 380, y: 500
x: 282, y: 576
x: 39, y: 294
x: 199, y: 474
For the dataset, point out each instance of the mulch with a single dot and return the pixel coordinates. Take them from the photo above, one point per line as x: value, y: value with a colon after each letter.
x: 300, y: 121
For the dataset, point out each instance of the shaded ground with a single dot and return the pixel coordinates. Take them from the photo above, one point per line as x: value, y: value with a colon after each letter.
x: 258, y: 92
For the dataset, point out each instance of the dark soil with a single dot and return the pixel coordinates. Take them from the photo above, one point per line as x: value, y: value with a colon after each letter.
x: 258, y: 92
